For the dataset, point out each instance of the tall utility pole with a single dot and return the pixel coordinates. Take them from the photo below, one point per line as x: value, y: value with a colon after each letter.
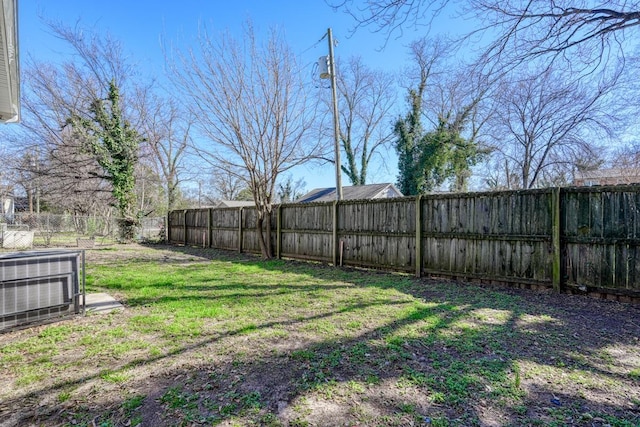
x: 336, y: 119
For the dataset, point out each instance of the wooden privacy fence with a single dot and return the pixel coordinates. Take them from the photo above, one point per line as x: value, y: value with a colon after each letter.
x: 583, y: 239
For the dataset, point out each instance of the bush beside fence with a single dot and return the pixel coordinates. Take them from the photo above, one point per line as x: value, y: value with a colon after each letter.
x: 582, y: 239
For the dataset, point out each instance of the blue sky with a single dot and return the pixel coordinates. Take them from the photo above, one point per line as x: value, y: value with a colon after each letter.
x: 141, y: 25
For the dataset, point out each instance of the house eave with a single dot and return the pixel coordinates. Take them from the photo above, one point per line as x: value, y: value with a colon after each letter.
x: 9, y: 63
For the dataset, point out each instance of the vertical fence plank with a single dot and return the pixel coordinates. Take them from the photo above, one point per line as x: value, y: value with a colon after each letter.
x: 209, y: 214
x: 334, y: 239
x: 556, y: 218
x: 279, y: 232
x: 240, y: 229
x: 418, y: 254
x: 186, y: 240
x: 167, y: 228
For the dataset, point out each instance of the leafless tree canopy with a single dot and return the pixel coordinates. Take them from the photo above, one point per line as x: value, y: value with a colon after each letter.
x: 544, y: 125
x: 587, y: 38
x: 225, y: 185
x: 583, y: 53
x: 167, y: 130
x: 250, y: 105
x: 365, y: 99
x: 586, y: 33
x: 69, y: 175
x: 390, y: 16
x: 454, y: 90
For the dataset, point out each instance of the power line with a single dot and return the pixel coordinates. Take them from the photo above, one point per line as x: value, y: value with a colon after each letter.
x: 314, y: 45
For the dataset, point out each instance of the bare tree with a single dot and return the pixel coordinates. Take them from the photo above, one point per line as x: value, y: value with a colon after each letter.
x: 68, y: 172
x: 167, y: 131
x: 70, y: 179
x: 586, y: 35
x: 366, y: 98
x: 625, y: 162
x: 226, y: 186
x: 250, y: 102
x: 596, y: 43
x: 627, y: 157
x: 546, y: 125
x: 58, y: 94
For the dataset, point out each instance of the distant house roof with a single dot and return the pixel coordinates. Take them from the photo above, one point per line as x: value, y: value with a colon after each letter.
x: 233, y: 204
x: 611, y: 176
x: 355, y: 192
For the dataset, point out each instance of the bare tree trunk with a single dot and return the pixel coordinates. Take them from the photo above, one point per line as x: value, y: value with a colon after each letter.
x: 264, y: 236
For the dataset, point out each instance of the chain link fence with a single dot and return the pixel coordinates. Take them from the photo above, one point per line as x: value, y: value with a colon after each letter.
x: 24, y: 230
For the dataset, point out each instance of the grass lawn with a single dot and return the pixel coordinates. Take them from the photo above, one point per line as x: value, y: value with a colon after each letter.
x: 216, y: 338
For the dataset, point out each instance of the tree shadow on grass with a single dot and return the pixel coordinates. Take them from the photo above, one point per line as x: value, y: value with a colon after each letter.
x: 455, y: 354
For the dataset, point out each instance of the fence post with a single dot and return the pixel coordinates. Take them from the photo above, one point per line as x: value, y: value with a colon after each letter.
x: 167, y: 228
x: 209, y: 221
x: 279, y: 232
x: 184, y: 213
x: 556, y: 218
x: 334, y: 239
x: 240, y: 229
x: 418, y: 235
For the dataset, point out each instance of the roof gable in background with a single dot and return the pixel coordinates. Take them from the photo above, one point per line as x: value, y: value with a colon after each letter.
x: 354, y: 192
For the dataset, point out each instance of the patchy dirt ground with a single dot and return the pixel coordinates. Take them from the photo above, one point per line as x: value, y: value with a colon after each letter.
x: 496, y: 357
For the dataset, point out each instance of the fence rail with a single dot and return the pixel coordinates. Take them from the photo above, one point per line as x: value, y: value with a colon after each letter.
x: 582, y: 239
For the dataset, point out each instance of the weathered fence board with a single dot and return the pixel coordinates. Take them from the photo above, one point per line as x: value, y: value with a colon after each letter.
x: 578, y: 238
x: 379, y: 233
x: 492, y: 236
x: 601, y: 238
x: 224, y: 228
x: 176, y: 227
x: 306, y: 231
x: 198, y: 227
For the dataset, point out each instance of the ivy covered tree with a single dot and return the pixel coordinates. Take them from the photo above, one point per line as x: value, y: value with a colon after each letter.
x: 443, y: 154
x: 114, y: 144
x: 429, y: 158
x: 409, y: 133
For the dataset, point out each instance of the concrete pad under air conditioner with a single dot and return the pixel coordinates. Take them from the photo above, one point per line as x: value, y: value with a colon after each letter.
x: 101, y: 303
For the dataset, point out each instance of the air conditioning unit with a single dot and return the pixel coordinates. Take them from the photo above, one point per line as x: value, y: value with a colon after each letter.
x: 9, y: 65
x: 40, y: 286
